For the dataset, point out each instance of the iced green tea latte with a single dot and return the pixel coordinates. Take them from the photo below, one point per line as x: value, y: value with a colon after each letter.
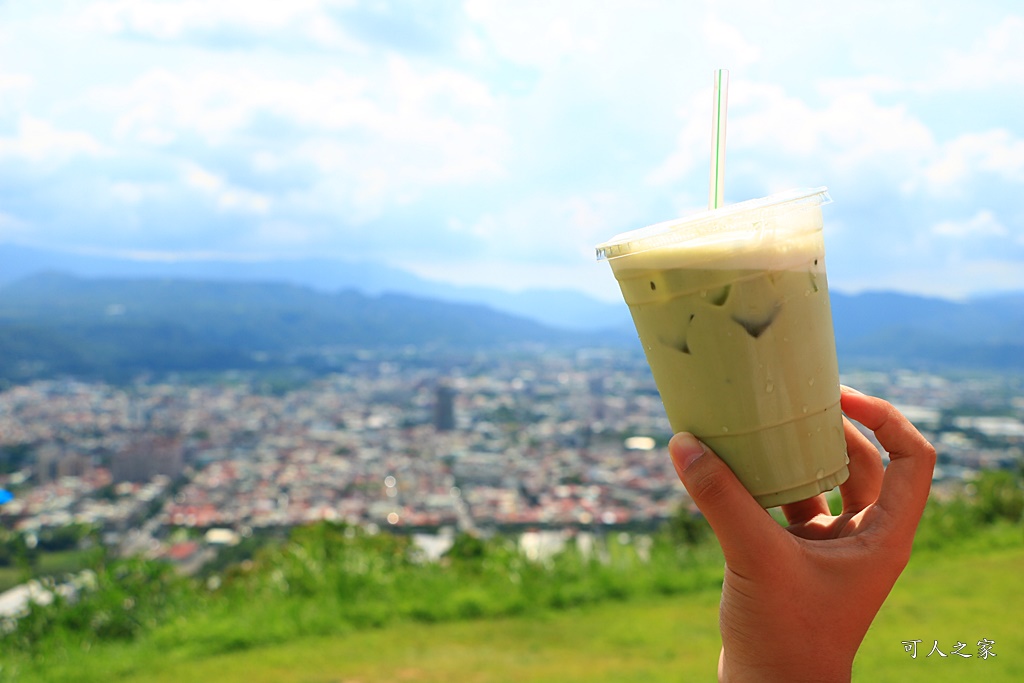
x: 733, y: 312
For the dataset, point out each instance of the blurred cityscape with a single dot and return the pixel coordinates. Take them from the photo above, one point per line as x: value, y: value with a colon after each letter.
x: 512, y: 442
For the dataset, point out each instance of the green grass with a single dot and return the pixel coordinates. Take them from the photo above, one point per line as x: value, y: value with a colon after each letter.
x: 965, y: 594
x: 50, y: 563
x: 647, y: 640
x: 963, y: 598
x: 10, y: 577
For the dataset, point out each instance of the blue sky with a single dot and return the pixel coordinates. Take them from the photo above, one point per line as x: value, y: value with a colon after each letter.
x: 496, y: 143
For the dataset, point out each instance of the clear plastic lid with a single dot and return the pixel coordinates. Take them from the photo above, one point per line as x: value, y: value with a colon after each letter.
x: 733, y: 222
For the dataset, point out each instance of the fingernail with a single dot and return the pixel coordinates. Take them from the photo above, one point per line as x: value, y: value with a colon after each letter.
x: 685, y: 448
x: 850, y: 390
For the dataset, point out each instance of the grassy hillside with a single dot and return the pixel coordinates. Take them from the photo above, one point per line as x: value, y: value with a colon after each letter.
x: 333, y: 604
x: 964, y: 597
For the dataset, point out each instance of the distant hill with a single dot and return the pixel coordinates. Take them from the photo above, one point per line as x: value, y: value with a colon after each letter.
x: 125, y: 314
x: 884, y: 328
x: 888, y: 329
x: 55, y: 323
x: 556, y: 308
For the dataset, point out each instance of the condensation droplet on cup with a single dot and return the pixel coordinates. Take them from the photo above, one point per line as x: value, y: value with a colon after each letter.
x: 703, y: 294
x: 769, y: 387
x: 820, y: 474
x: 725, y: 430
x: 846, y: 460
x: 804, y: 409
x: 810, y: 382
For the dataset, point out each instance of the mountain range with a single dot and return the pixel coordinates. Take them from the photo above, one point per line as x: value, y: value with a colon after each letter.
x: 556, y: 308
x: 92, y: 316
x: 52, y: 324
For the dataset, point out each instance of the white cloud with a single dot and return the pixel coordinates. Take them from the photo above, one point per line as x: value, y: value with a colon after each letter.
x: 182, y: 20
x: 39, y: 142
x: 376, y: 140
x: 870, y: 84
x: 624, y: 56
x: 997, y: 61
x: 997, y: 153
x: 583, y: 274
x: 11, y: 82
x: 275, y: 234
x: 532, y: 129
x: 850, y: 135
x: 226, y: 197
x: 161, y: 105
x: 852, y: 131
x: 551, y: 228
x: 741, y: 54
x: 132, y: 192
x: 692, y: 144
x: 201, y: 179
x: 982, y: 224
x: 529, y: 33
x: 435, y: 107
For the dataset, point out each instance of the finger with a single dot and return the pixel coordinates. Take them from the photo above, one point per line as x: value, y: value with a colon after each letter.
x: 863, y: 485
x: 745, y: 531
x: 805, y: 510
x: 908, y: 478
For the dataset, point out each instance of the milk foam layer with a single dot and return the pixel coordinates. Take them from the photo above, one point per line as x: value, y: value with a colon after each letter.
x: 774, y: 251
x: 759, y: 233
x: 658, y: 275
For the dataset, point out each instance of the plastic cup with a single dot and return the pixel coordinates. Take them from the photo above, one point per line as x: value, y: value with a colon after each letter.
x: 732, y: 309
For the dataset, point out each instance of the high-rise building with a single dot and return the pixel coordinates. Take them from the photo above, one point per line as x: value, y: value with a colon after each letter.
x: 146, y: 456
x: 74, y: 465
x: 48, y: 459
x: 54, y: 461
x: 444, y: 408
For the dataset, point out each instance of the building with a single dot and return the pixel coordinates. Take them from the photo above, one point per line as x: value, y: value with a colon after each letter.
x: 444, y: 408
x: 147, y: 456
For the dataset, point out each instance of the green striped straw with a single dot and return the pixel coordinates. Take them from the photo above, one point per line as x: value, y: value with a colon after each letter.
x: 716, y: 197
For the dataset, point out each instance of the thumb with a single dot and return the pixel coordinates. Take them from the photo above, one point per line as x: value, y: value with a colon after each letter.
x: 744, y: 529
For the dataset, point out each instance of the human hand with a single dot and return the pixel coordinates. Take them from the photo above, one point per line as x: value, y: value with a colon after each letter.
x: 798, y: 600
